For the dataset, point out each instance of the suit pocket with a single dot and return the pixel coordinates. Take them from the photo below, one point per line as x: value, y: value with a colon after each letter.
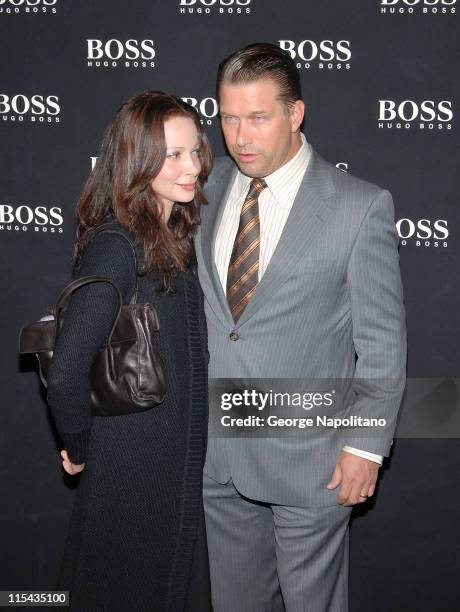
x: 316, y: 266
x: 321, y: 277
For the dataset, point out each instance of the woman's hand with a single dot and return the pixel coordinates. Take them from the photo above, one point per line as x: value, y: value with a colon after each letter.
x: 70, y: 468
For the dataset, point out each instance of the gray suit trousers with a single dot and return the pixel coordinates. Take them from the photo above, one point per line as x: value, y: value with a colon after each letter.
x: 273, y: 558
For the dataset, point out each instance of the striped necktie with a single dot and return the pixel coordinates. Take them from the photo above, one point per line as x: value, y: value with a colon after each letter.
x: 242, y: 277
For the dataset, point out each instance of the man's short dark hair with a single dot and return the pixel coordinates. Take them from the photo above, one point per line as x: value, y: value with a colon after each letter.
x: 262, y: 61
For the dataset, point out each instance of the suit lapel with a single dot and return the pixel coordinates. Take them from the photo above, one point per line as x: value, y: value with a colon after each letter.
x: 309, y: 214
x: 217, y: 196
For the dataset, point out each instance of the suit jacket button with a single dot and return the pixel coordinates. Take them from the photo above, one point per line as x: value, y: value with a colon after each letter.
x: 234, y: 336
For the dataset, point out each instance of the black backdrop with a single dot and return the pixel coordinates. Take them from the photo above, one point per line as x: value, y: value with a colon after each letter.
x: 380, y: 81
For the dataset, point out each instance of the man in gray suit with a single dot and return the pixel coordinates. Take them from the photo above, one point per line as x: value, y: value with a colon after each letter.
x: 299, y: 266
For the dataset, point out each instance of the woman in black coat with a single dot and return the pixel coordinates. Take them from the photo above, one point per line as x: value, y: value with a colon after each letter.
x: 136, y: 539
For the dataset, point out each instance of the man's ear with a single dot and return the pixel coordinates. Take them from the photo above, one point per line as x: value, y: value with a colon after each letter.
x: 296, y: 113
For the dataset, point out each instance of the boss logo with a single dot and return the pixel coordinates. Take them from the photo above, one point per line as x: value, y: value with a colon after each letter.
x: 423, y: 232
x: 36, y: 108
x: 131, y: 53
x: 423, y: 6
x: 427, y: 114
x: 207, y: 108
x: 28, y: 2
x: 28, y: 6
x: 228, y: 7
x: 325, y: 54
x: 23, y: 218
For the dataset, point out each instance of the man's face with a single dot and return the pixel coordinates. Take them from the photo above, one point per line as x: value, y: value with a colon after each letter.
x: 260, y: 132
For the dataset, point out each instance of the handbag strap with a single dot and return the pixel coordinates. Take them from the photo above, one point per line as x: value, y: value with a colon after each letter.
x: 87, y: 280
x: 110, y: 227
x: 76, y: 284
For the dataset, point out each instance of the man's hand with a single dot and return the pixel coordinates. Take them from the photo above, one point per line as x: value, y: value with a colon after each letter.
x: 357, y: 477
x: 70, y: 468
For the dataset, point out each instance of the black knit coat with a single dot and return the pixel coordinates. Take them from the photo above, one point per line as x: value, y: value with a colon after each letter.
x: 136, y: 539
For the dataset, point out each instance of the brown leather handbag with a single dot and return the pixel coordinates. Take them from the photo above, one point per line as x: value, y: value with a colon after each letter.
x: 127, y: 374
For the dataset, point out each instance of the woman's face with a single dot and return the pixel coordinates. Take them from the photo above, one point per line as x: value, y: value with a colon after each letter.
x: 176, y: 181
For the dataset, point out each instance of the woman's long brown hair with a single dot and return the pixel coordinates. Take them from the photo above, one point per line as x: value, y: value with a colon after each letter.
x: 132, y: 153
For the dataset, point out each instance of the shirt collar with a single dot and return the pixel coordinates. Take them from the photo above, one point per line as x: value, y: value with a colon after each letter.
x: 283, y: 182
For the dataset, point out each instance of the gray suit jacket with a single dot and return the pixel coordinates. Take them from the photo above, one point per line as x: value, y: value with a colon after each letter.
x: 329, y: 305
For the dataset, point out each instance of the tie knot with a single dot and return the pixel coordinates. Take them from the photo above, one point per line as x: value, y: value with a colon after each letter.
x: 257, y: 185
